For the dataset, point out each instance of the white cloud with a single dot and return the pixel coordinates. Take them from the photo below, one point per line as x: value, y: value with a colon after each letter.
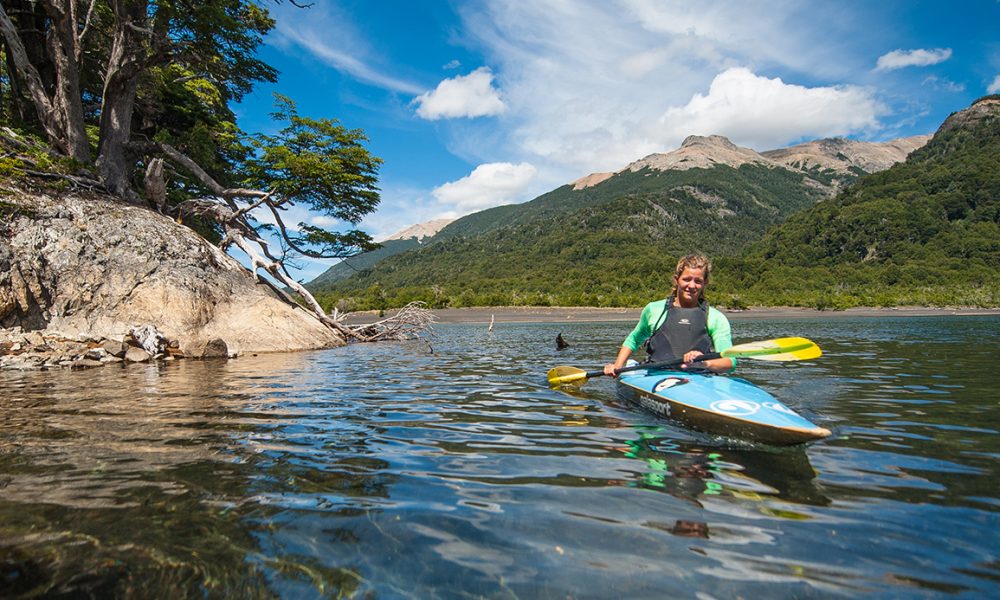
x: 897, y: 59
x: 766, y: 113
x: 488, y: 185
x: 469, y: 95
x: 326, y: 221
x: 586, y: 83
x: 994, y: 88
x: 346, y: 53
x: 939, y: 83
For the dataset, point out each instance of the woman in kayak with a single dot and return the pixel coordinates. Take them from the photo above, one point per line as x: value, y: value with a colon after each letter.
x: 683, y: 326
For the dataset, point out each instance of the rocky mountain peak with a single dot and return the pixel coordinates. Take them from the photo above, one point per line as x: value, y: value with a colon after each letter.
x: 420, y: 230
x: 842, y: 155
x: 985, y: 107
x: 836, y: 155
x: 716, y: 141
x: 699, y: 152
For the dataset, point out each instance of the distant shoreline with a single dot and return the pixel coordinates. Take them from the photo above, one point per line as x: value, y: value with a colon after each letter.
x: 546, y: 314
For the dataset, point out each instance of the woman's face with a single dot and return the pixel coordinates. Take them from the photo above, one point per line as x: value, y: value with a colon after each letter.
x: 690, y: 284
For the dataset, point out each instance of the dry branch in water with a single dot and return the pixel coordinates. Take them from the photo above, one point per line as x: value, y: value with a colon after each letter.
x: 406, y: 324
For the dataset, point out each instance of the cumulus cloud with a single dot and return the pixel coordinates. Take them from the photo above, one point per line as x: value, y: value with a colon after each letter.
x: 994, y: 88
x: 488, y: 185
x: 471, y: 95
x: 766, y: 113
x: 585, y: 83
x: 897, y: 59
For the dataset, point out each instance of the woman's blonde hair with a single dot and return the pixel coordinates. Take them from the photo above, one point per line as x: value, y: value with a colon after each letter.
x: 692, y: 261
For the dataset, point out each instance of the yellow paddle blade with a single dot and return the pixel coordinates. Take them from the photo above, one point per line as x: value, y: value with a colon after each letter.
x: 780, y: 349
x: 566, y: 375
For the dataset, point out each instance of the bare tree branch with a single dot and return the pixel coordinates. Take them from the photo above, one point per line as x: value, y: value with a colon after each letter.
x: 83, y: 31
x: 43, y: 104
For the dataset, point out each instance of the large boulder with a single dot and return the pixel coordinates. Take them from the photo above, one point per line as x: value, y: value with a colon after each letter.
x: 89, y: 264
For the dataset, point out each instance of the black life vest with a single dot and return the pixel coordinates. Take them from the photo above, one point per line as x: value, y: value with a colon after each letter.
x: 683, y: 330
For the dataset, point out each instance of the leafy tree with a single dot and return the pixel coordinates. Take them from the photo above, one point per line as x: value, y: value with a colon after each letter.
x: 137, y: 93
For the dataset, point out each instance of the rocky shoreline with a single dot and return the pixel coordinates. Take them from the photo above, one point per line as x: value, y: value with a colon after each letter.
x: 44, y: 350
x: 81, y: 273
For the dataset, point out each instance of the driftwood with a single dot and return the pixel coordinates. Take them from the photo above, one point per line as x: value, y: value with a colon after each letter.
x: 406, y: 324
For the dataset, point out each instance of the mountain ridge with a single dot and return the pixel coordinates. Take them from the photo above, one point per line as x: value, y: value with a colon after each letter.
x: 924, y: 232
x: 837, y: 154
x: 819, y: 168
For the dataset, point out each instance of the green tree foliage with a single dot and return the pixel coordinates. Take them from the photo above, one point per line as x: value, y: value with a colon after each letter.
x: 126, y: 87
x: 320, y: 164
x: 926, y: 231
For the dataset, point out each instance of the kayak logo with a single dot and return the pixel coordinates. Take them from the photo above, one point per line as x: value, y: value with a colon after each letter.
x: 684, y: 322
x: 668, y: 383
x: 735, y: 408
x: 650, y: 403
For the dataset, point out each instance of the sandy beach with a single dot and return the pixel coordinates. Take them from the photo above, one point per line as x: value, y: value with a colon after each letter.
x: 544, y: 314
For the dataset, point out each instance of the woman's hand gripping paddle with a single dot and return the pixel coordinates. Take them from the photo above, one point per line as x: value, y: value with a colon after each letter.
x: 780, y: 349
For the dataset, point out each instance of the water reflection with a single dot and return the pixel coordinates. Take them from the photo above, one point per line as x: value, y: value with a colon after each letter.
x: 451, y: 470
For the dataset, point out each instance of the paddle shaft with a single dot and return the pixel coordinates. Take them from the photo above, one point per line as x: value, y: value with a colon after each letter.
x: 657, y: 365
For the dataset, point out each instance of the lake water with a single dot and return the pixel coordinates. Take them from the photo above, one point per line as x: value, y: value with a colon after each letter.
x: 446, y: 468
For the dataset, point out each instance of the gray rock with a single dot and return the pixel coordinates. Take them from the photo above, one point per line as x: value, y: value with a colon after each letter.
x: 215, y: 348
x: 135, y: 354
x: 85, y: 363
x: 114, y: 348
x: 97, y: 266
x: 95, y: 353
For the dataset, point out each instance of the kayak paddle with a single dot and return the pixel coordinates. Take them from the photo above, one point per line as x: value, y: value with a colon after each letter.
x: 780, y: 349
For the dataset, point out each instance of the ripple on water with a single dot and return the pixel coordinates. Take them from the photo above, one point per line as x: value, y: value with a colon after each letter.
x: 449, y: 469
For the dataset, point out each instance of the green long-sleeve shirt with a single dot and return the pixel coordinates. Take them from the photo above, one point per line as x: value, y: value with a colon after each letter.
x: 650, y: 321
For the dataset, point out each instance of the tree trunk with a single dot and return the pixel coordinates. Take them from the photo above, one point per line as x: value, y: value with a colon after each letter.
x: 59, y: 104
x: 32, y: 80
x: 116, y: 129
x: 118, y: 99
x: 64, y: 49
x: 34, y: 51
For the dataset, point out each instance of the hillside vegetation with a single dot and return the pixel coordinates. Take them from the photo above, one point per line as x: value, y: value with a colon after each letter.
x: 599, y: 246
x: 924, y: 232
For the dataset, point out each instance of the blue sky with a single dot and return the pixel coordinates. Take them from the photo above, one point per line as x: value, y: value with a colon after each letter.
x: 480, y: 103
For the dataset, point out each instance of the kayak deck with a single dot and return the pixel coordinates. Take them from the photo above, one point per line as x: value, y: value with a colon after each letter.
x: 719, y: 404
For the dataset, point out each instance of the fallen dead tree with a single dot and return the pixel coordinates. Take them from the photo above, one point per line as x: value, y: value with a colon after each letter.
x: 408, y: 323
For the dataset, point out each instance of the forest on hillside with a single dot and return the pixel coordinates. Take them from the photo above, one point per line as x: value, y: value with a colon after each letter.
x: 925, y: 232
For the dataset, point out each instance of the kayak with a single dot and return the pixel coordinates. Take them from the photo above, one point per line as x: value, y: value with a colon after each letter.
x: 719, y: 404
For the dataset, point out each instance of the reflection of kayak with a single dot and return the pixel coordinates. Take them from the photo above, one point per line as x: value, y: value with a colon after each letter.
x: 719, y: 404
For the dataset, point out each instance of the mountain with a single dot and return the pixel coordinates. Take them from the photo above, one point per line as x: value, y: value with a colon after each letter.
x: 708, y: 183
x: 926, y: 231
x: 834, y: 160
x: 406, y: 239
x: 604, y: 239
x: 420, y: 230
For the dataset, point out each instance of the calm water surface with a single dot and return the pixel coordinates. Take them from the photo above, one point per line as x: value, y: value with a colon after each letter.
x: 446, y: 468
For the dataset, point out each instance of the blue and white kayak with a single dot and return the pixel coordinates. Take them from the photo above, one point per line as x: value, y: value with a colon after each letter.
x: 719, y: 404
